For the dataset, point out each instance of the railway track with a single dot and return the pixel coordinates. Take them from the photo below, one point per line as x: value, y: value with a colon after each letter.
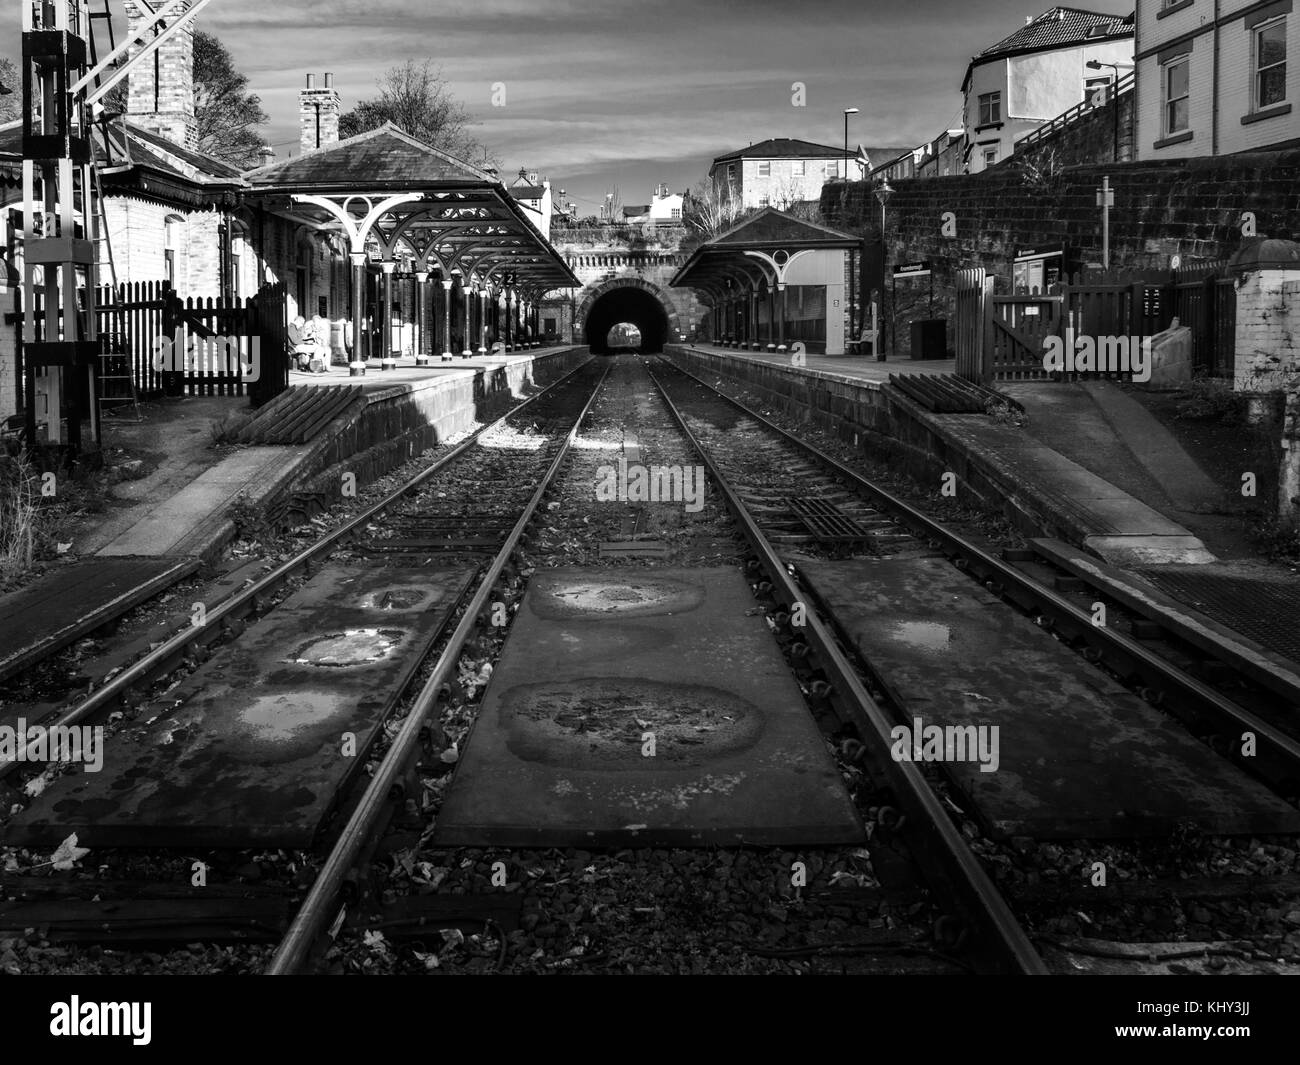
x: 494, y: 515
x: 1202, y: 677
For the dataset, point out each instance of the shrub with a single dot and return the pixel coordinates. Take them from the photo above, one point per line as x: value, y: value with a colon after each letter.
x: 1209, y: 399
x: 19, y: 501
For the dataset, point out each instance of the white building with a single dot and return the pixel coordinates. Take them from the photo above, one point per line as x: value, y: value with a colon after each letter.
x: 666, y: 206
x: 534, y: 195
x: 1213, y: 77
x: 783, y: 171
x: 1013, y: 87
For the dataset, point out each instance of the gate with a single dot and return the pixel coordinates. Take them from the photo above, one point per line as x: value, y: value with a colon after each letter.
x: 1018, y: 328
x: 1001, y: 338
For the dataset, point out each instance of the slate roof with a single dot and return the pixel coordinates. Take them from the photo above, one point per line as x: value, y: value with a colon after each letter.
x: 527, y: 192
x: 1058, y: 27
x: 770, y: 226
x: 382, y: 158
x: 139, y: 159
x: 767, y: 230
x: 636, y: 211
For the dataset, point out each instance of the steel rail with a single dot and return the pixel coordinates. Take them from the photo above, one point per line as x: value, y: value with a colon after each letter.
x: 243, y: 602
x: 942, y: 852
x: 296, y: 946
x: 1277, y: 758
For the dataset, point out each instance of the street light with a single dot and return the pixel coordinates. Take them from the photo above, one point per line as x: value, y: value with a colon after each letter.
x: 847, y: 111
x: 883, y: 192
x: 1097, y: 64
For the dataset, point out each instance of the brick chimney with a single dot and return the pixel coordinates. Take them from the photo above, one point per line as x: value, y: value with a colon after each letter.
x: 318, y: 114
x: 161, y: 87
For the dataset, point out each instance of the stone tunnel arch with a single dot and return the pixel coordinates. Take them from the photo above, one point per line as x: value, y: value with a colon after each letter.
x: 628, y: 299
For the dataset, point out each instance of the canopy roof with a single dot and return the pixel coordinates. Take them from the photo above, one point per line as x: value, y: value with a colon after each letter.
x: 391, y: 192
x: 757, y: 249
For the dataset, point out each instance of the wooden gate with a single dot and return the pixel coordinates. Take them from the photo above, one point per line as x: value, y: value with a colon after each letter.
x: 1001, y: 338
x: 1018, y: 328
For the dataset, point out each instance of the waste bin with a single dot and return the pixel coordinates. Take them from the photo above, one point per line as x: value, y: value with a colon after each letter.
x: 930, y: 338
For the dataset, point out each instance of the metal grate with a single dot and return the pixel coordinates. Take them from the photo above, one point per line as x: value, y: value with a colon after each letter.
x: 826, y: 521
x: 1263, y: 610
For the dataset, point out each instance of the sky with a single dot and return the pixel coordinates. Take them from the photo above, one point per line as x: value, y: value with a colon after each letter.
x: 615, y: 93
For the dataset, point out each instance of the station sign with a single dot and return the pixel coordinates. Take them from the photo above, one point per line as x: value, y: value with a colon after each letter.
x: 916, y: 269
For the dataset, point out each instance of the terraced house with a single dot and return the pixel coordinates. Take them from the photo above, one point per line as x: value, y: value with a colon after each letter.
x: 1213, y: 77
x: 1034, y: 74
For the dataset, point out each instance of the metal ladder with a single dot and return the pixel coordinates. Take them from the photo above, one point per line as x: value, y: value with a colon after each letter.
x: 114, y: 366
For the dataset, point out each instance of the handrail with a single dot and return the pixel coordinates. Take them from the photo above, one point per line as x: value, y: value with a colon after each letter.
x: 1066, y: 118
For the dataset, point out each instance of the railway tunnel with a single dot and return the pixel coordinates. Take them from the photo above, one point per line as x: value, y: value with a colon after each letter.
x: 631, y: 304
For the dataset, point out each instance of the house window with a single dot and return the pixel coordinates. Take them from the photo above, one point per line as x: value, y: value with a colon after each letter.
x: 990, y: 108
x: 677, y: 212
x: 1176, y: 92
x: 765, y: 169
x: 731, y: 172
x: 765, y: 201
x: 800, y: 167
x: 831, y: 170
x: 990, y: 156
x: 1094, y: 90
x: 171, y: 238
x: 1270, y: 64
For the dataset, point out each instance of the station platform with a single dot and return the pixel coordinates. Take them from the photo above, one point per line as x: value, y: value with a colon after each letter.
x: 856, y: 367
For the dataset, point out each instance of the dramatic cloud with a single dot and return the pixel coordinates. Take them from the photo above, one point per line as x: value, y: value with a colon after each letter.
x: 616, y: 91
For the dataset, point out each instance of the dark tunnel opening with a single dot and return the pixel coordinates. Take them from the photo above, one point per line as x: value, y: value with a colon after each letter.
x: 627, y: 305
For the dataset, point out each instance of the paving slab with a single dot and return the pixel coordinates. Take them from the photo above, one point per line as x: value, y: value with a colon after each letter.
x: 74, y: 599
x: 250, y: 750
x: 596, y: 660
x: 1078, y: 756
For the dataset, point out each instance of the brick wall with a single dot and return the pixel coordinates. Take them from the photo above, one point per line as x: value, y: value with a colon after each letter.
x: 1091, y: 138
x: 161, y: 88
x: 1190, y: 207
x: 1268, y: 330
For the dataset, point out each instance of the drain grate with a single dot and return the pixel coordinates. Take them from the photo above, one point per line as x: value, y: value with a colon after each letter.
x: 826, y: 521
x: 1263, y: 610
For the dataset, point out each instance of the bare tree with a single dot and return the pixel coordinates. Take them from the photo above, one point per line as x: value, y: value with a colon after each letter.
x: 416, y: 99
x: 708, y: 210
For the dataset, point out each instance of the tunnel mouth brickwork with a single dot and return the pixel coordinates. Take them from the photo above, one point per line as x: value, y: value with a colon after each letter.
x: 632, y: 300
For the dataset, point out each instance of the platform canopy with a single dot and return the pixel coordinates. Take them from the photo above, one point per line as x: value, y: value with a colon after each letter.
x: 392, y: 195
x: 759, y: 249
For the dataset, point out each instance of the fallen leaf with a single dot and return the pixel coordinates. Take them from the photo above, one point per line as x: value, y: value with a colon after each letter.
x: 68, y: 853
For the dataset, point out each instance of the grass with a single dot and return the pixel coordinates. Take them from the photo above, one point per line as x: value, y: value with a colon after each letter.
x: 19, y: 517
x: 226, y: 429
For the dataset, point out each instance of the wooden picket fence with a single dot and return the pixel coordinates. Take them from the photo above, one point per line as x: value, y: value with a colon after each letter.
x: 139, y: 320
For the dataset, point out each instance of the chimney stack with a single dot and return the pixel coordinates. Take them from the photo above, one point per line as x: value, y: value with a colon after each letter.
x: 160, y: 89
x: 318, y: 114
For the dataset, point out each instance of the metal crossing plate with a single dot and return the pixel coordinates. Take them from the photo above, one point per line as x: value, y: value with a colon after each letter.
x: 826, y: 521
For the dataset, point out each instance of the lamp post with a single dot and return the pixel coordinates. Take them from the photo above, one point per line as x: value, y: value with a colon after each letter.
x: 847, y: 111
x: 883, y: 192
x: 1097, y: 64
